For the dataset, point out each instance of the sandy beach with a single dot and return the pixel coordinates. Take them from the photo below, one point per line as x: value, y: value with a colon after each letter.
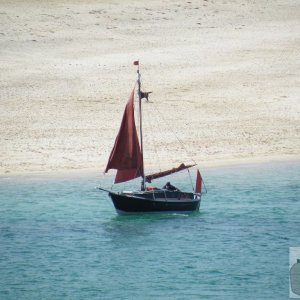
x: 224, y: 74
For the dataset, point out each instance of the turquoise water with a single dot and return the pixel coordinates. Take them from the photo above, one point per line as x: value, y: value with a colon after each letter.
x: 62, y: 239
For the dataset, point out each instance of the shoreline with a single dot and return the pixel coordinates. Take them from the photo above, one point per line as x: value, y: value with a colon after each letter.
x: 223, y: 76
x: 78, y: 173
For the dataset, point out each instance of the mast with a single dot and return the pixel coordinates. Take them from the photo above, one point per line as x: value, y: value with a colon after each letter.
x: 141, y: 129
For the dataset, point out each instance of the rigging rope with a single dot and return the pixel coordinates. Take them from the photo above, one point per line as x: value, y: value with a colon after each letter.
x: 156, y: 123
x: 173, y: 132
x: 182, y: 145
x: 153, y: 124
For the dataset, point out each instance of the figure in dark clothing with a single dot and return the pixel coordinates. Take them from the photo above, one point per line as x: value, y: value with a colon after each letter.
x: 168, y: 186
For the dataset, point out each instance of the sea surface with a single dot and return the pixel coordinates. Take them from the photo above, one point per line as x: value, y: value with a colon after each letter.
x: 60, y: 238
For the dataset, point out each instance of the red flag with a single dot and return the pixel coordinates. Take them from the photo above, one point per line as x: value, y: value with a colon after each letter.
x: 136, y: 62
x: 198, y: 188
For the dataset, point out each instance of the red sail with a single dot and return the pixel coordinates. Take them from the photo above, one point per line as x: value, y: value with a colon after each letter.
x: 126, y: 156
x: 181, y: 167
x: 198, y: 188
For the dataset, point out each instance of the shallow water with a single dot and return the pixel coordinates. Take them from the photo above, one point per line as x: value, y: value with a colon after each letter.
x: 62, y: 239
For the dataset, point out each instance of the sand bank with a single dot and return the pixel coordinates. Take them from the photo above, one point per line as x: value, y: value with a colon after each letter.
x: 224, y: 74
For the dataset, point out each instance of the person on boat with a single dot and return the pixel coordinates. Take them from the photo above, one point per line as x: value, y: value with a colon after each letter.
x: 168, y: 186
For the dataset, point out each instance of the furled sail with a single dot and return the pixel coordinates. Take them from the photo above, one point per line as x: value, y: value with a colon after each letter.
x: 181, y: 167
x: 126, y: 156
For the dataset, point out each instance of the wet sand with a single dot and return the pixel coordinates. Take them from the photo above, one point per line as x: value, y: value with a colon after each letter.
x: 224, y: 76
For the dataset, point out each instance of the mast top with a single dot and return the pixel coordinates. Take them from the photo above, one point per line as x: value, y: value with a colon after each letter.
x: 137, y: 63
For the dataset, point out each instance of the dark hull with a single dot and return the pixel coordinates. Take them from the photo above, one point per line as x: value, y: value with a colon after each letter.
x: 155, y: 202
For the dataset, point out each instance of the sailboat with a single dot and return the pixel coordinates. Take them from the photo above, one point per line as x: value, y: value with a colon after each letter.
x: 127, y: 158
